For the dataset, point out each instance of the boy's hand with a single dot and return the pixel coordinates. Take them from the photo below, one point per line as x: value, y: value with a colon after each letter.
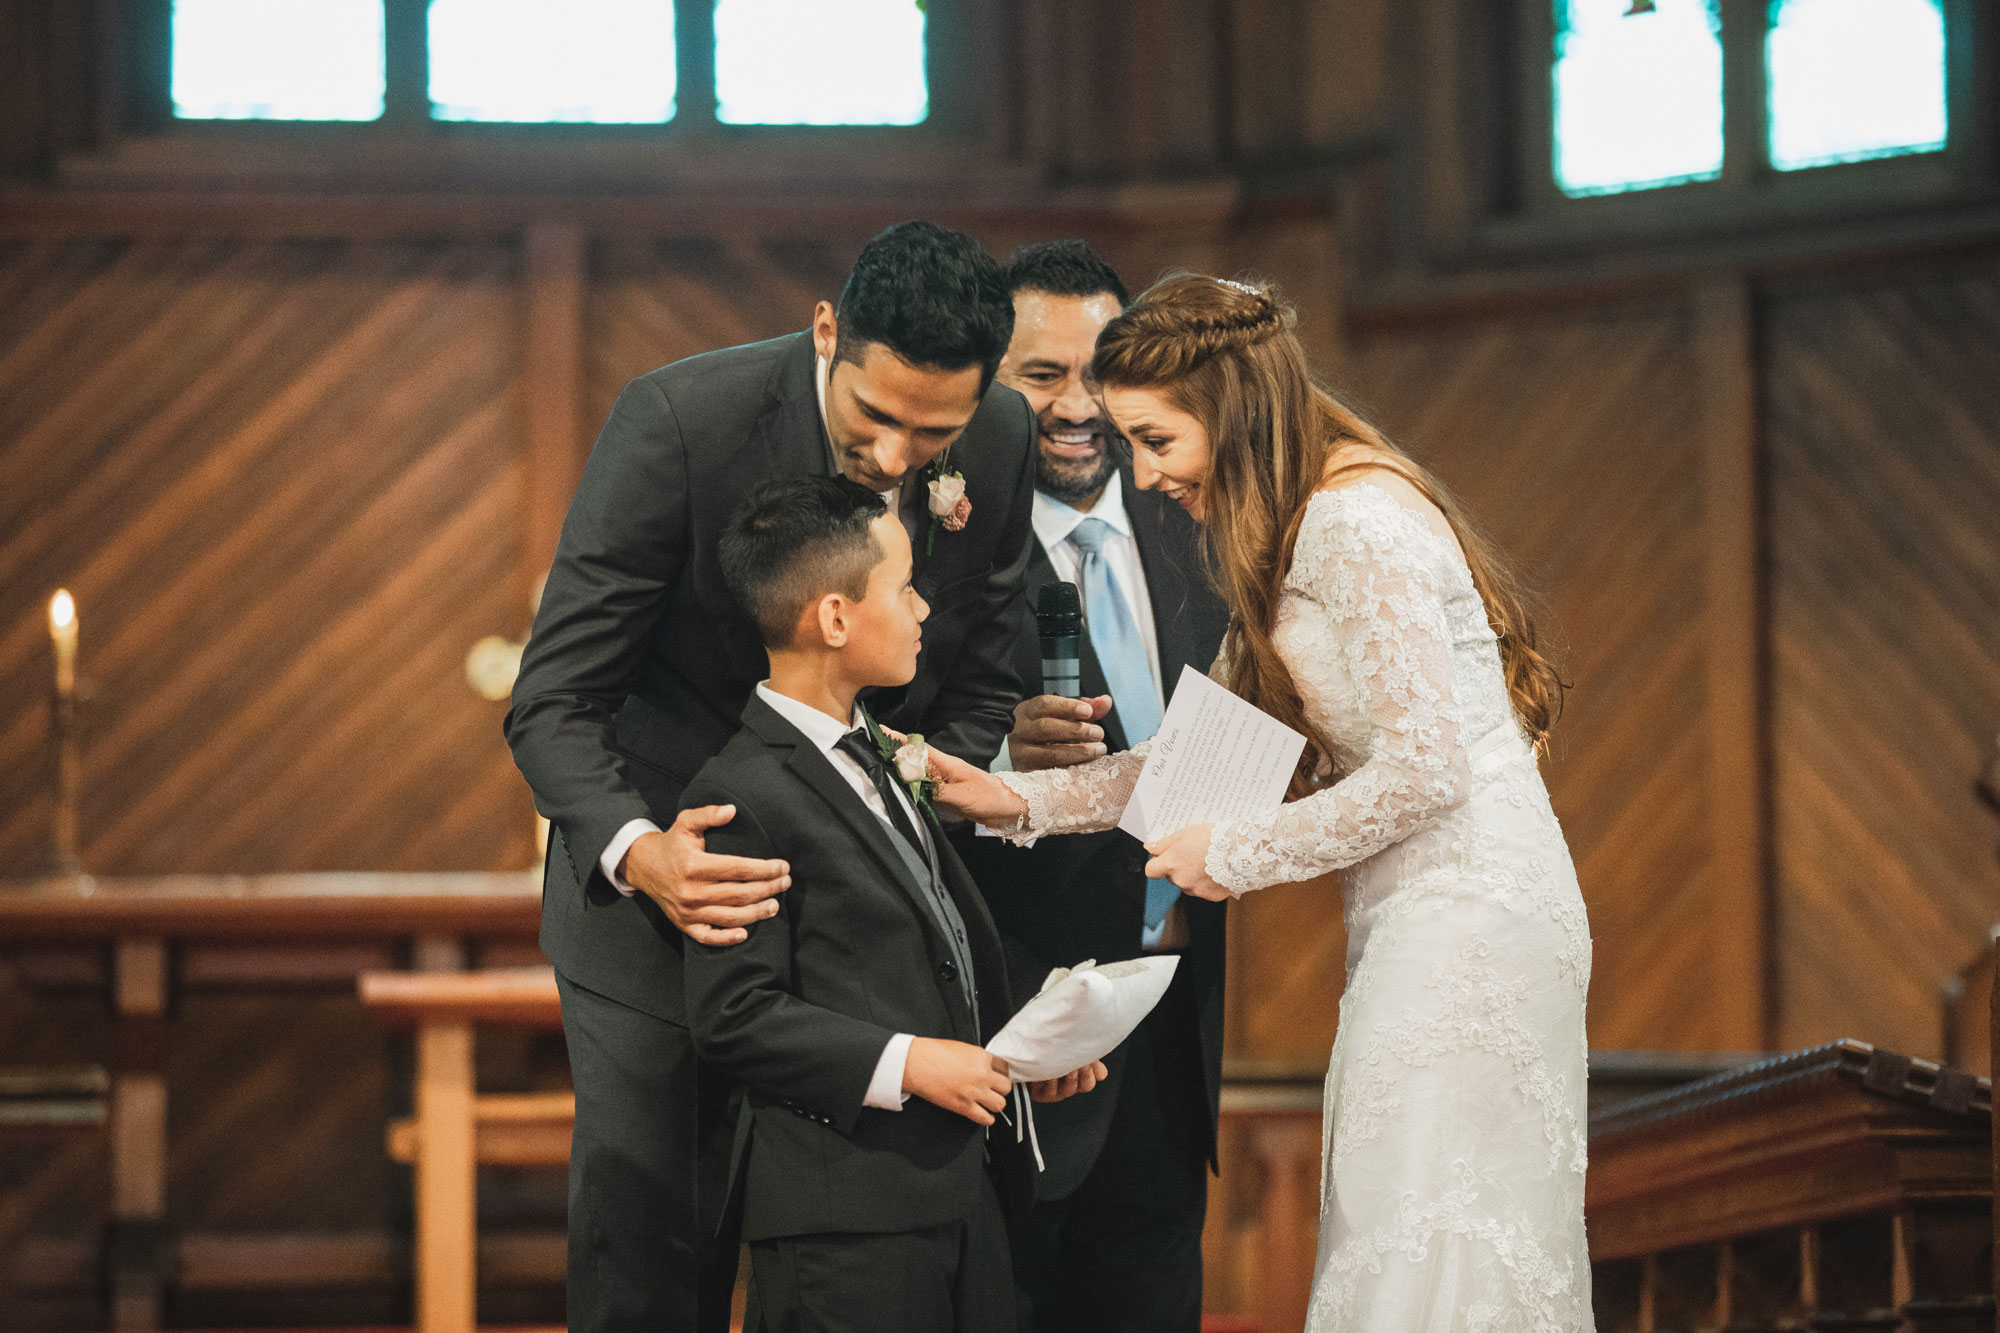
x: 1070, y: 1084
x: 708, y: 897
x: 960, y: 1078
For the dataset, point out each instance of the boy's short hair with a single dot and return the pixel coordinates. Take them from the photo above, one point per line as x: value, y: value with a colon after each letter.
x: 792, y: 541
x: 932, y: 296
x: 1064, y: 268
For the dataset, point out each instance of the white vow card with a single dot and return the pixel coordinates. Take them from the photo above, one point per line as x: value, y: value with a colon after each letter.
x: 1215, y: 757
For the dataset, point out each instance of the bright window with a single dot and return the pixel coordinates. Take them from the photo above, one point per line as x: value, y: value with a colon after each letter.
x: 1638, y: 96
x: 277, y: 59
x: 595, y: 61
x: 820, y: 62
x: 1854, y: 79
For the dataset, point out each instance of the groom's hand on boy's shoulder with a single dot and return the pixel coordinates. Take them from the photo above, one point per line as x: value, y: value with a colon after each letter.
x: 709, y: 897
x: 958, y: 1076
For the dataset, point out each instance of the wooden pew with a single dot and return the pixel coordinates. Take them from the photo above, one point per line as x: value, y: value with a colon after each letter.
x: 454, y: 1128
x: 1841, y: 1187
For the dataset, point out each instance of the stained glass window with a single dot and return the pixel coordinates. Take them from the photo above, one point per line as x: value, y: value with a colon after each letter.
x: 277, y: 59
x: 595, y: 61
x: 1638, y: 95
x: 820, y: 62
x: 1854, y: 79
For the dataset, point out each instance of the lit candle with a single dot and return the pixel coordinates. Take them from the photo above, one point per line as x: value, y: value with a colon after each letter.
x: 62, y: 632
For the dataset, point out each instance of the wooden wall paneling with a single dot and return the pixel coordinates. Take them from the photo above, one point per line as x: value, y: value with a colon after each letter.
x: 1733, y: 560
x: 1885, y: 579
x: 655, y: 300
x: 1575, y: 439
x: 552, y: 387
x: 282, y: 478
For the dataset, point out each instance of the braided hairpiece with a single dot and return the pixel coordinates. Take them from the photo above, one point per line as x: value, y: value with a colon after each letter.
x: 1263, y: 316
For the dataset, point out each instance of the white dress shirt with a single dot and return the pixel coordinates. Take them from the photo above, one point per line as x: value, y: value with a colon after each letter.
x: 885, y: 1089
x: 1055, y: 521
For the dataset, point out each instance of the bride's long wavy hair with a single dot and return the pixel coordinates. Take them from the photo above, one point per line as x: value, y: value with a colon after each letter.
x: 1228, y: 354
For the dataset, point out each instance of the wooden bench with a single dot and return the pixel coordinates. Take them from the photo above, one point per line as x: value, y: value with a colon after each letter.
x: 455, y: 1128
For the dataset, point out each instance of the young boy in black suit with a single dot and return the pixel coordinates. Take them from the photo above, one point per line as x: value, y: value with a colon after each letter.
x: 870, y: 1189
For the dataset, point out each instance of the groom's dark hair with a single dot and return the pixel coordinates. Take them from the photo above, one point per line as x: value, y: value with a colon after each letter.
x: 792, y: 541
x: 932, y: 296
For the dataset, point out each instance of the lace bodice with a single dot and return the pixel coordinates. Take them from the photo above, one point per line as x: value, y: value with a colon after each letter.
x: 1395, y: 662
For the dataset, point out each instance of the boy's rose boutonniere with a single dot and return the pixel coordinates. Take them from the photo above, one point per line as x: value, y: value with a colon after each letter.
x: 910, y: 757
x: 948, y: 505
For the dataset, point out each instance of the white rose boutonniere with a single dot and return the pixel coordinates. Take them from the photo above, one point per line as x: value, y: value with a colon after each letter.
x: 948, y: 506
x: 913, y: 761
x: 910, y: 757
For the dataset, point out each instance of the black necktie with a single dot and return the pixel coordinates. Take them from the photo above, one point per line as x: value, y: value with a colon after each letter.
x: 857, y: 744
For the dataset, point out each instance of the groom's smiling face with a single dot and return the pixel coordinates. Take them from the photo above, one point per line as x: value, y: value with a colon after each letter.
x: 888, y: 418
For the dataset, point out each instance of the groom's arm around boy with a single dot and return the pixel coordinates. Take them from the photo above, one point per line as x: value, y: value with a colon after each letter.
x: 855, y: 1017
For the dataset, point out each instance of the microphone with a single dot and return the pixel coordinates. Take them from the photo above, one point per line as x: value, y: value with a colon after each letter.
x: 1059, y: 621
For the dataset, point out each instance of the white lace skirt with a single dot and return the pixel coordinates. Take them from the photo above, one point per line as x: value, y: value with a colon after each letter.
x: 1454, y: 1169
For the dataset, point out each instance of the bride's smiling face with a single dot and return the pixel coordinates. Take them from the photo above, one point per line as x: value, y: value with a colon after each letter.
x: 1169, y: 447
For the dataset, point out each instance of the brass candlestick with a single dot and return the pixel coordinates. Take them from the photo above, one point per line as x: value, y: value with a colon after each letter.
x: 63, y: 856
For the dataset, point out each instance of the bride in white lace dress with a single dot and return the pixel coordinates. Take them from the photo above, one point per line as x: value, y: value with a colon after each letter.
x: 1368, y: 615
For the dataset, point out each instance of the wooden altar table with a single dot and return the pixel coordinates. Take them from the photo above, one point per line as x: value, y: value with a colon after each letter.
x: 160, y: 931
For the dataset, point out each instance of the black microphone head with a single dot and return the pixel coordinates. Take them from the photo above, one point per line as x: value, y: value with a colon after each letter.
x: 1058, y: 608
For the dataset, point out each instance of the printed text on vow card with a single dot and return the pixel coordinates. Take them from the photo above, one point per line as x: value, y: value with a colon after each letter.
x: 1215, y: 757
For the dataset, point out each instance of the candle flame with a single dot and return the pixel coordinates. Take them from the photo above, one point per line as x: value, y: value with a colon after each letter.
x: 62, y: 610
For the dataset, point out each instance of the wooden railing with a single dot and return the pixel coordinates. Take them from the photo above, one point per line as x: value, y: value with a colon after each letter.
x: 1838, y: 1187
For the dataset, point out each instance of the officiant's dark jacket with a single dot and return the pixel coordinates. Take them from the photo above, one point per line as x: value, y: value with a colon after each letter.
x: 640, y: 662
x: 800, y: 1012
x: 1079, y: 896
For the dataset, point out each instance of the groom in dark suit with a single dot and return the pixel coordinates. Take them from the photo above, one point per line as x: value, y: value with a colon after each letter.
x: 1114, y: 1240
x: 638, y: 670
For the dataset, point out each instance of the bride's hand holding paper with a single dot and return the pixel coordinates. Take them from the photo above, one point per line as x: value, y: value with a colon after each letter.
x: 1183, y: 858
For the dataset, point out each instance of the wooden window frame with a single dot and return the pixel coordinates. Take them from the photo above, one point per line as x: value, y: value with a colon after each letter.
x: 965, y: 48
x: 1529, y: 209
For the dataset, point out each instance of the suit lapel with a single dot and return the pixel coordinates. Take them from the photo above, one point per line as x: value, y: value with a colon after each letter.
x: 815, y: 770
x: 793, y: 436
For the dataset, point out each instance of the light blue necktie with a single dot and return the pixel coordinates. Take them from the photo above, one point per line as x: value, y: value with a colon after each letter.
x: 1114, y: 636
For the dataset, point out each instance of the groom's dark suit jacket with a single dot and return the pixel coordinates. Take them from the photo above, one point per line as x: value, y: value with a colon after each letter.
x: 1082, y: 896
x: 640, y: 662
x: 800, y: 1012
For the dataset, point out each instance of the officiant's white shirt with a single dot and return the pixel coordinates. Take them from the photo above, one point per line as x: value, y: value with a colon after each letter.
x: 1054, y: 521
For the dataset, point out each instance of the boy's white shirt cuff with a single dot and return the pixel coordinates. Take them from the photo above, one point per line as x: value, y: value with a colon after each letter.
x: 614, y: 852
x: 885, y: 1090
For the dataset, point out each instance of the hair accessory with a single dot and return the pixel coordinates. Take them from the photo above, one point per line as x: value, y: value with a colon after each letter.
x: 1243, y: 287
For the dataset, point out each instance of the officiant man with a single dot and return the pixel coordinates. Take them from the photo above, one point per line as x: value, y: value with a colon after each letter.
x: 1114, y: 1241
x: 638, y: 670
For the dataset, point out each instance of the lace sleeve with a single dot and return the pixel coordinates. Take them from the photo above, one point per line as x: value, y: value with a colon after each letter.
x: 1085, y: 798
x: 1366, y: 569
